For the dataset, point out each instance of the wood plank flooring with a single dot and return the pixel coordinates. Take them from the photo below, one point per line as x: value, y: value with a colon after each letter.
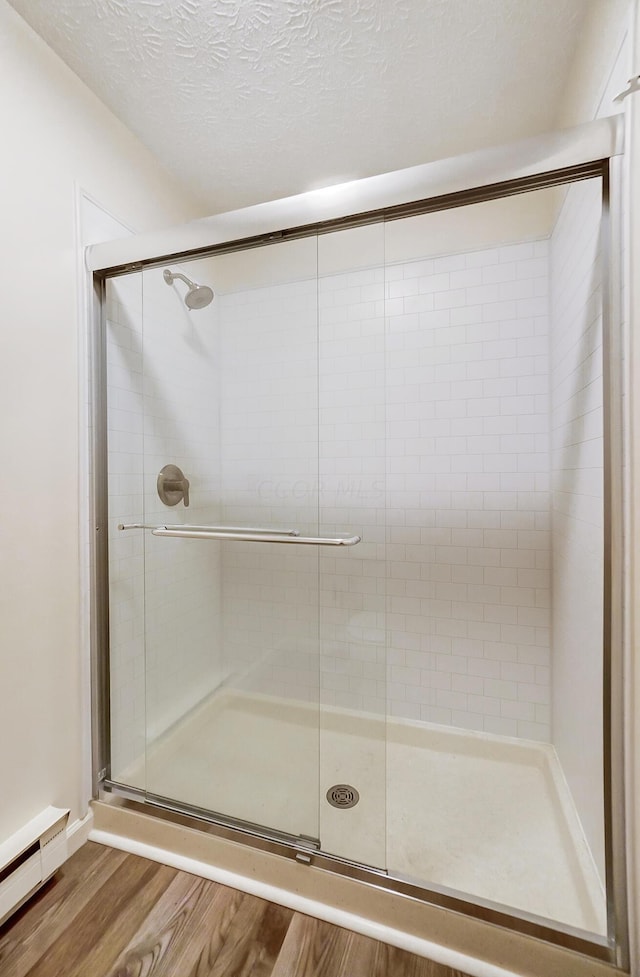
x: 109, y: 914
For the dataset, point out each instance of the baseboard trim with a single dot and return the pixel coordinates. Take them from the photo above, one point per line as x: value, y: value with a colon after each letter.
x: 78, y: 833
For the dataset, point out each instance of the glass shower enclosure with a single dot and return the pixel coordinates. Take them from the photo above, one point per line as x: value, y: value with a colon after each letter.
x: 359, y: 547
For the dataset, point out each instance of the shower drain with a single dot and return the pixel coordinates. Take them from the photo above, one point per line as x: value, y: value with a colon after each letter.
x: 343, y: 795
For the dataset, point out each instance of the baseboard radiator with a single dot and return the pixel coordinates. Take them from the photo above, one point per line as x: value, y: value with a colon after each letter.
x: 30, y: 857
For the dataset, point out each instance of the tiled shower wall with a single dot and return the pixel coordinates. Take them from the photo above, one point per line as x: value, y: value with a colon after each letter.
x: 164, y: 593
x: 467, y: 492
x: 430, y: 382
x: 434, y: 447
x: 353, y: 479
x: 269, y: 465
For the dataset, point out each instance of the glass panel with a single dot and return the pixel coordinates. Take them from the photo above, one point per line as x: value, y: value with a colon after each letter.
x: 232, y: 626
x: 352, y: 581
x: 123, y: 332
x: 495, y: 770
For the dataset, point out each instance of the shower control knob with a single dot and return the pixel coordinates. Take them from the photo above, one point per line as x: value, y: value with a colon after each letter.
x: 173, y: 487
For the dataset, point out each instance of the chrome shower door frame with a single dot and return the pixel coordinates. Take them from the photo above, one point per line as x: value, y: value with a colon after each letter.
x: 559, y: 159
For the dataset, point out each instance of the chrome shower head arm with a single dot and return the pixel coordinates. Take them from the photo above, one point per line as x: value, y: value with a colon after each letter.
x: 170, y: 276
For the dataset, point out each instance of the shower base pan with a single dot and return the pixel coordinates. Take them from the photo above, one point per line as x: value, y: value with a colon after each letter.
x: 488, y: 816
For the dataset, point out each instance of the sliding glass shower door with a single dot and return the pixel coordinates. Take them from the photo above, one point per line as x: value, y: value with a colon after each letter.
x: 231, y: 623
x: 359, y: 553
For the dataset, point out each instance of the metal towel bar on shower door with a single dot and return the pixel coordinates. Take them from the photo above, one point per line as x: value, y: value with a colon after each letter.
x: 245, y: 536
x: 212, y: 529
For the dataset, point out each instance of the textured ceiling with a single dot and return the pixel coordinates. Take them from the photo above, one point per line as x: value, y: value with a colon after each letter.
x: 250, y: 100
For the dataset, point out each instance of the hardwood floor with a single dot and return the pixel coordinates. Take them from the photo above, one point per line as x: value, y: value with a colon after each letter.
x: 109, y: 914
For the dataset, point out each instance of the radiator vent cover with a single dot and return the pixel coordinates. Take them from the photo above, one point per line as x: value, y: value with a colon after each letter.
x: 30, y: 857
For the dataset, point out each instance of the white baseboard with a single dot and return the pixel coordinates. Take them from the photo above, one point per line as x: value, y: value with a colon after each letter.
x: 78, y: 833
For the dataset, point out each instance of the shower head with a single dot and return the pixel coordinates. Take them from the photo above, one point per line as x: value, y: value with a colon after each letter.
x: 197, y: 297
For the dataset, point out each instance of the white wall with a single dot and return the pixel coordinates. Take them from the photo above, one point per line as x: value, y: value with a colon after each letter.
x: 600, y: 66
x: 57, y: 134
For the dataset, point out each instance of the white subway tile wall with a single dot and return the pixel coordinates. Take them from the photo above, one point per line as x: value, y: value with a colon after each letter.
x: 429, y: 385
x: 353, y: 479
x: 451, y: 450
x: 165, y: 601
x: 434, y: 447
x: 269, y: 472
x: 183, y: 589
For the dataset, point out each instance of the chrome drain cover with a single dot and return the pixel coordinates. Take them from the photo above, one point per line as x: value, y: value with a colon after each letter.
x: 343, y: 795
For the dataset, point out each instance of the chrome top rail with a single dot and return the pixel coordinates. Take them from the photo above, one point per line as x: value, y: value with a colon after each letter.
x: 215, y: 529
x: 245, y: 537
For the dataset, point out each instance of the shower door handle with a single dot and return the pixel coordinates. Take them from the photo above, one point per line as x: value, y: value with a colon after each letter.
x: 201, y: 532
